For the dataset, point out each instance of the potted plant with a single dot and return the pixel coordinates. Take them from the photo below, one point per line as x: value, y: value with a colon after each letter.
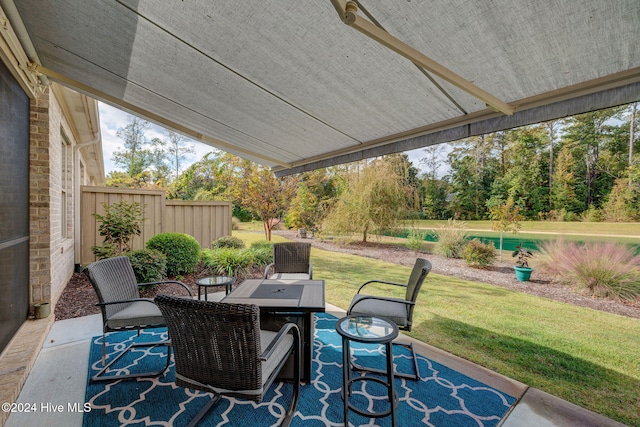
x: 523, y: 271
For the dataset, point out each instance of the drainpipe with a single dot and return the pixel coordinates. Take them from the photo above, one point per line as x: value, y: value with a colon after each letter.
x: 76, y: 190
x: 9, y: 8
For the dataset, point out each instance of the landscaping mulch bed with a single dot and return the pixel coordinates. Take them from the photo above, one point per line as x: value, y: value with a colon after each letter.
x: 79, y: 298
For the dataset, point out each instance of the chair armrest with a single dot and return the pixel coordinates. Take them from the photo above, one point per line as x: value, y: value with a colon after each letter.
x: 125, y: 301
x: 266, y: 270
x: 167, y: 281
x: 286, y: 328
x: 404, y: 285
x: 366, y: 297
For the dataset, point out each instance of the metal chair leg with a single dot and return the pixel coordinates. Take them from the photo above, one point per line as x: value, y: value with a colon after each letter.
x: 99, y: 376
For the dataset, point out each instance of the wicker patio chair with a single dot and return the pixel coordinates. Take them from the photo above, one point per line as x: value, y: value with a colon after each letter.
x: 219, y: 348
x: 290, y: 262
x: 397, y: 310
x: 122, y: 308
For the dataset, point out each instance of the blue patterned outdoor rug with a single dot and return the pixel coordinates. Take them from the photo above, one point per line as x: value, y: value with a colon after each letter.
x: 443, y: 397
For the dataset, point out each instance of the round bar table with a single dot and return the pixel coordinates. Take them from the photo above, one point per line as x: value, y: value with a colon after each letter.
x: 367, y: 329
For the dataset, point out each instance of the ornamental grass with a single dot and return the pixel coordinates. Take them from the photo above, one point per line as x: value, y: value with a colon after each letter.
x: 603, y: 269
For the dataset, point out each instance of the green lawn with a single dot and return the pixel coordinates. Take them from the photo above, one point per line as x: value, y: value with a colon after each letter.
x: 581, y: 355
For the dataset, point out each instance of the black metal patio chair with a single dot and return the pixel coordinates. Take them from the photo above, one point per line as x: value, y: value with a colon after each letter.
x: 114, y: 281
x: 398, y: 310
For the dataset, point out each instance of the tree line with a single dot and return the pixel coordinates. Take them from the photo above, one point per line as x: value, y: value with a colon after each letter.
x: 583, y: 167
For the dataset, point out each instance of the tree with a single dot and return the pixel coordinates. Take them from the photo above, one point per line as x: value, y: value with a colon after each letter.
x: 119, y: 224
x: 590, y: 131
x: 563, y: 195
x: 316, y: 192
x: 432, y: 160
x: 376, y: 197
x: 258, y: 190
x: 177, y: 149
x: 142, y: 160
x: 551, y: 126
x: 632, y: 128
x: 473, y: 169
x: 204, y: 176
x: 135, y: 157
x: 506, y: 218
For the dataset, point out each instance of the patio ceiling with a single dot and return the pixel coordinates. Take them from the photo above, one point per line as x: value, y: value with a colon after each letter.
x: 288, y: 84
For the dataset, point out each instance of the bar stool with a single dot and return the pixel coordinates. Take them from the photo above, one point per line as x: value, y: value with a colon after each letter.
x: 368, y: 330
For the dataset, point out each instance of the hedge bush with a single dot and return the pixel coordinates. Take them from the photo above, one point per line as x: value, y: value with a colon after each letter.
x: 479, y: 255
x: 182, y: 251
x: 148, y: 265
x: 228, y: 242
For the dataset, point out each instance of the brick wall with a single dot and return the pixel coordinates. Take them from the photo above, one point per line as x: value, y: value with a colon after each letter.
x: 51, y: 253
x: 40, y: 200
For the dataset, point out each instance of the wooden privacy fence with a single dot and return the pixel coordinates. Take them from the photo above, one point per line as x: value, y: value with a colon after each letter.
x: 206, y: 221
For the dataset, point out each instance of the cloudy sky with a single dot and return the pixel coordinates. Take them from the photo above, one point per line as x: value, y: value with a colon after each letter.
x: 113, y: 119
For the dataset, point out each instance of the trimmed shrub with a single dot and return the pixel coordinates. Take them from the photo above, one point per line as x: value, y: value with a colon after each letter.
x: 479, y: 255
x: 603, y: 269
x: 450, y: 239
x: 228, y: 242
x: 182, y: 251
x: 148, y: 265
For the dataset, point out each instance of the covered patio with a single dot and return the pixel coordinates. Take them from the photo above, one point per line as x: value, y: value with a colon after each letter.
x: 303, y: 85
x: 59, y: 378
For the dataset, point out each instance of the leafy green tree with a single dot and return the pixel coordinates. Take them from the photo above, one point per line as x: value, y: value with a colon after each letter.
x: 473, y: 169
x: 590, y: 132
x: 136, y: 156
x: 202, y: 177
x: 258, y: 190
x: 143, y: 160
x: 119, y: 224
x: 505, y: 218
x: 302, y: 212
x: 563, y: 194
x: 433, y: 196
x: 376, y: 197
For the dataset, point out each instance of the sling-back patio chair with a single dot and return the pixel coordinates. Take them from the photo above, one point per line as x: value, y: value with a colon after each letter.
x: 219, y: 348
x: 398, y: 310
x: 291, y: 261
x: 114, y: 281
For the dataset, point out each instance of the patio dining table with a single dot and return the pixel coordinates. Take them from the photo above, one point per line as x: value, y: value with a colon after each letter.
x: 283, y: 301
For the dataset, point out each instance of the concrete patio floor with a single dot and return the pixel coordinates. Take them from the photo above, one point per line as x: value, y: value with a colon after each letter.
x: 56, y: 384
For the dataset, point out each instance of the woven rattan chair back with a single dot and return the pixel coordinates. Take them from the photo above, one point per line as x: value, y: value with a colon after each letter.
x: 113, y: 280
x: 216, y: 345
x: 291, y: 257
